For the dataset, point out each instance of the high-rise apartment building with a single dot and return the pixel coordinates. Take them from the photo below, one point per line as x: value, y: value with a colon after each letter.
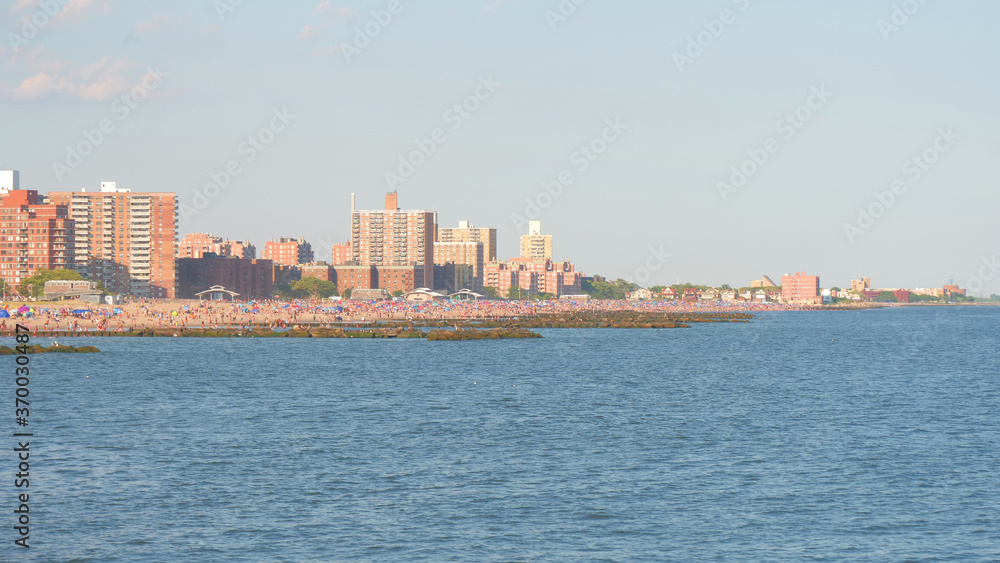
x: 467, y: 258
x: 535, y: 245
x: 32, y: 236
x: 124, y: 239
x: 470, y: 233
x: 392, y: 237
x: 862, y: 285
x: 289, y: 251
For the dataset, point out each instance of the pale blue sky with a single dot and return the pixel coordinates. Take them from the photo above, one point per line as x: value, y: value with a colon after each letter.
x: 655, y: 186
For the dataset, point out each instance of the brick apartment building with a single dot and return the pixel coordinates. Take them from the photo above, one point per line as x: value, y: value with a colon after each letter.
x: 466, y: 232
x: 534, y: 277
x: 250, y: 278
x: 397, y: 242
x: 123, y: 239
x: 32, y: 236
x: 195, y: 245
x: 800, y: 288
x: 535, y: 245
x: 462, y: 264
x: 341, y: 254
x: 288, y: 251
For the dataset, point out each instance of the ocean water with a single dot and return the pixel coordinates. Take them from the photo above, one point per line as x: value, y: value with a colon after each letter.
x: 800, y: 436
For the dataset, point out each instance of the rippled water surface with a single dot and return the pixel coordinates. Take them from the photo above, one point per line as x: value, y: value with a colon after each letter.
x: 800, y: 436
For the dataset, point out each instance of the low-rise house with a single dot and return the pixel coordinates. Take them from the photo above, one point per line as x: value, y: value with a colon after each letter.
x: 641, y: 294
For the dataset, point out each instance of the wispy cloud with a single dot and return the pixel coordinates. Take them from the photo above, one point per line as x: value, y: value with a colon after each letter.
x: 99, y: 81
x: 326, y: 51
x: 72, y: 11
x: 159, y: 22
x: 327, y: 13
x: 326, y: 8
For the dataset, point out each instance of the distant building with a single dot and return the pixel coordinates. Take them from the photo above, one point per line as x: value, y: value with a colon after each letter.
x: 534, y: 277
x: 398, y: 278
x: 38, y: 236
x: 394, y: 238
x: 341, y: 254
x: 800, y: 288
x: 467, y: 232
x: 467, y: 265
x: 763, y: 282
x: 862, y: 285
x: 641, y: 294
x: 355, y: 277
x: 240, y: 249
x: 10, y: 180
x: 124, y: 239
x: 250, y: 278
x: 320, y: 270
x: 535, y: 245
x: 285, y: 274
x: 288, y: 251
x: 950, y: 290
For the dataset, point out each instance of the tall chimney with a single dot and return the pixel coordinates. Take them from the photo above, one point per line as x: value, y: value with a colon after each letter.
x: 352, y: 202
x: 392, y: 201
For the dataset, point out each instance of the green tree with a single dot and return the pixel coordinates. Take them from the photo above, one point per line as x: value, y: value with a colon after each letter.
x: 314, y: 287
x: 347, y: 293
x: 658, y: 288
x: 35, y: 285
x: 287, y: 292
x: 491, y: 292
x: 513, y: 292
x: 398, y: 293
x: 886, y: 297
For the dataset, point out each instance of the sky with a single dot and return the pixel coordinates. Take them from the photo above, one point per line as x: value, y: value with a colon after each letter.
x: 658, y: 141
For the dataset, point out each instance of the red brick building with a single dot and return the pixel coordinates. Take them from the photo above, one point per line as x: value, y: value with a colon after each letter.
x: 196, y: 245
x: 398, y: 278
x: 248, y: 277
x: 289, y: 251
x: 355, y: 277
x: 534, y: 277
x: 33, y: 237
x: 800, y: 288
x: 394, y: 238
x: 125, y: 240
x: 321, y: 271
x: 341, y: 254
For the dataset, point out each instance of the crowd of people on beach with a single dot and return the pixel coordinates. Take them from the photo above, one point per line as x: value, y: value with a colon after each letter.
x: 142, y: 313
